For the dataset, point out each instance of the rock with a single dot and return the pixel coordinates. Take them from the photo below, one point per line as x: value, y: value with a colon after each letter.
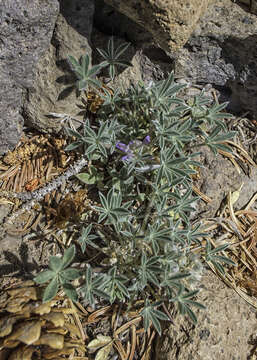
x: 53, y: 88
x: 170, y: 22
x: 222, y: 51
x: 111, y: 22
x: 25, y: 33
x: 252, y: 5
x: 150, y: 61
x: 224, y: 330
x: 218, y: 176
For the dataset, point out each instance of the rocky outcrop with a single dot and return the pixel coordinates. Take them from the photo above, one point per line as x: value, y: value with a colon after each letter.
x: 25, y: 32
x: 54, y: 86
x: 36, y: 79
x: 170, y: 22
x: 222, y: 51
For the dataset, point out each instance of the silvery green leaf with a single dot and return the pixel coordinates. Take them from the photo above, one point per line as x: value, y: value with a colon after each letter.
x: 73, y: 145
x: 51, y: 290
x: 55, y: 263
x: 74, y: 133
x: 44, y: 276
x: 70, y: 291
x: 70, y: 274
x: 68, y: 256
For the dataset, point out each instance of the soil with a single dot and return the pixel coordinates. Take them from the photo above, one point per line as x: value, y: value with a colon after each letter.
x: 226, y: 330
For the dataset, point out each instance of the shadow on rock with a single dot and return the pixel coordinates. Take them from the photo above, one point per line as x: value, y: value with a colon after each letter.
x: 242, y: 54
x: 19, y: 266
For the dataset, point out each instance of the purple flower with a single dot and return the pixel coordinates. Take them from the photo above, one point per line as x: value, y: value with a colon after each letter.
x: 125, y: 148
x: 122, y: 147
x: 127, y: 157
x: 132, y: 147
x: 147, y: 140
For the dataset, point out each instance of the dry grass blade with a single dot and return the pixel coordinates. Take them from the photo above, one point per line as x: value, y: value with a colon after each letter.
x: 243, y: 249
x: 228, y: 280
x: 232, y: 159
x: 141, y: 345
x: 94, y: 317
x: 120, y: 349
x: 147, y: 353
x: 233, y: 217
x: 243, y: 151
x: 82, y: 311
x: 77, y: 321
x: 10, y: 172
x: 133, y: 342
x: 15, y: 186
x: 127, y: 325
x: 202, y: 195
x: 115, y: 316
x: 22, y: 177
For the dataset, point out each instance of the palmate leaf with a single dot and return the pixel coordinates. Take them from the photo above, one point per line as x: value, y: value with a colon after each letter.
x: 70, y: 274
x: 70, y: 291
x: 147, y: 271
x: 112, y: 207
x: 216, y: 260
x: 74, y: 133
x: 112, y: 57
x: 183, y: 299
x: 164, y: 93
x: 55, y: 263
x: 68, y: 256
x: 51, y: 290
x: 152, y: 315
x: 75, y: 66
x: 171, y: 167
x: 110, y: 98
x: 92, y: 287
x: 87, y: 239
x: 85, y: 74
x: 184, y: 309
x: 73, y: 145
x: 157, y: 234
x: 214, y: 115
x: 44, y: 276
x: 121, y: 49
x: 96, y: 140
x: 193, y: 235
x: 114, y: 285
x: 215, y: 141
x: 172, y: 282
x: 59, y: 275
x: 87, y: 178
x: 183, y: 204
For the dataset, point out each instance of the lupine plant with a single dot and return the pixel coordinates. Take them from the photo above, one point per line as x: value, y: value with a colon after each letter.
x: 141, y: 143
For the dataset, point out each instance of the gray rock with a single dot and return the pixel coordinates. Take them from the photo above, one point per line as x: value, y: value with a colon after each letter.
x: 149, y: 62
x: 110, y: 22
x: 170, y: 22
x: 222, y: 51
x: 25, y: 33
x: 54, y: 89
